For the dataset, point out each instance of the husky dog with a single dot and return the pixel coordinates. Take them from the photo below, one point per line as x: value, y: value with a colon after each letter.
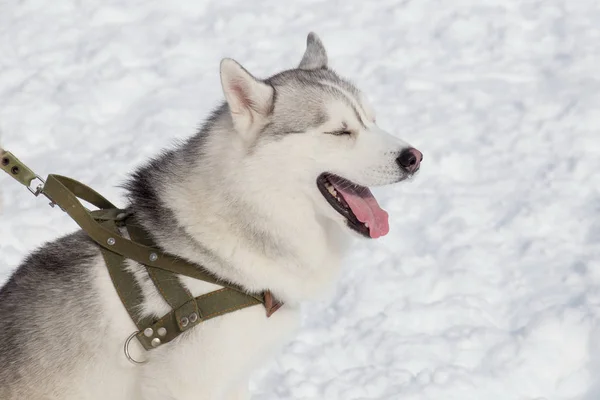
x: 266, y: 195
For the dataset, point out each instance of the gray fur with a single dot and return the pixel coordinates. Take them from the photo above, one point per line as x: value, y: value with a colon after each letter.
x: 45, y: 312
x: 301, y: 86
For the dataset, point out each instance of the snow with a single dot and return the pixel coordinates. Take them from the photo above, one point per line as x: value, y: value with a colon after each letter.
x: 488, y: 285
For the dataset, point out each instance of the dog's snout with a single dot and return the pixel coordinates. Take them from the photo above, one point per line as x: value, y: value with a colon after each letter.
x: 410, y: 159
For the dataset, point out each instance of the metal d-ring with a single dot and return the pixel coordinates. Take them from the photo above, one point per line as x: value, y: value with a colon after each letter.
x: 126, y: 350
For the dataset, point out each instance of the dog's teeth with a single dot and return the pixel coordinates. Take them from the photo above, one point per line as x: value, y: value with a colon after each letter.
x: 332, y: 190
x: 367, y: 224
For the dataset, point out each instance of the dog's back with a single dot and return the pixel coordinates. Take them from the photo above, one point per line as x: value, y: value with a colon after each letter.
x: 45, y: 312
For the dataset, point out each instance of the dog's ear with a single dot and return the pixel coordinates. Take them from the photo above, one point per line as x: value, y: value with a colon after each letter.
x: 250, y: 100
x: 315, y: 56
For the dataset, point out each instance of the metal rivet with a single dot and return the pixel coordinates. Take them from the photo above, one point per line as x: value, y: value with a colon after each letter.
x: 193, y: 317
x: 153, y: 257
x: 5, y: 161
x: 15, y: 170
x: 162, y: 331
x: 184, y: 322
x: 148, y: 332
x: 111, y: 241
x: 155, y: 342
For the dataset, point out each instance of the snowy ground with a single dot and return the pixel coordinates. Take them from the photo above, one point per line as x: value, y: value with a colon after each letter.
x: 487, y: 287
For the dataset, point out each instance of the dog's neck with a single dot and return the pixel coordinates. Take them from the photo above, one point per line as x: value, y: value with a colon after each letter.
x: 294, y: 256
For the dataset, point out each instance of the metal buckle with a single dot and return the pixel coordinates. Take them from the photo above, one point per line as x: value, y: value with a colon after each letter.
x: 39, y: 190
x: 36, y: 192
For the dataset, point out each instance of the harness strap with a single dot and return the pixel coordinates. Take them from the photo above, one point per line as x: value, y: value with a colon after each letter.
x: 103, y: 225
x: 210, y: 305
x: 167, y: 283
x: 186, y: 312
x: 179, y: 298
x: 125, y: 284
x: 65, y: 191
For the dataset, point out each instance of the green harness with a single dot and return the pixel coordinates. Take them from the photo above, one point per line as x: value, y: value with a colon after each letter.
x: 107, y: 227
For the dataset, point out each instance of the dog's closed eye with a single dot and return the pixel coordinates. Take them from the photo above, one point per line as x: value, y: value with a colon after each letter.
x: 340, y: 132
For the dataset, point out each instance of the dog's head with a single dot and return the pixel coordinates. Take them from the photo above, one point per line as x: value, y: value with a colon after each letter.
x: 307, y: 132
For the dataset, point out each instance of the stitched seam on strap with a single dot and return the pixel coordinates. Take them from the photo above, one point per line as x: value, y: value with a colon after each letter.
x: 204, y: 296
x: 230, y: 309
x: 158, y: 286
x: 185, y: 289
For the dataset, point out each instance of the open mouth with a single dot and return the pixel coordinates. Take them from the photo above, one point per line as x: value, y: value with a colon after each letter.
x: 356, y: 203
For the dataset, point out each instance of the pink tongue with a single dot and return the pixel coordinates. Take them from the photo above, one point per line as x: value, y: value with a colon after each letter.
x: 367, y: 210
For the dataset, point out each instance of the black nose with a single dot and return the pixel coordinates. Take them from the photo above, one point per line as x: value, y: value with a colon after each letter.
x: 410, y: 159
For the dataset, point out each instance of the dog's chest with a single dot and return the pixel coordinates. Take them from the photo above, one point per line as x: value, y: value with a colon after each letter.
x: 223, y: 353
